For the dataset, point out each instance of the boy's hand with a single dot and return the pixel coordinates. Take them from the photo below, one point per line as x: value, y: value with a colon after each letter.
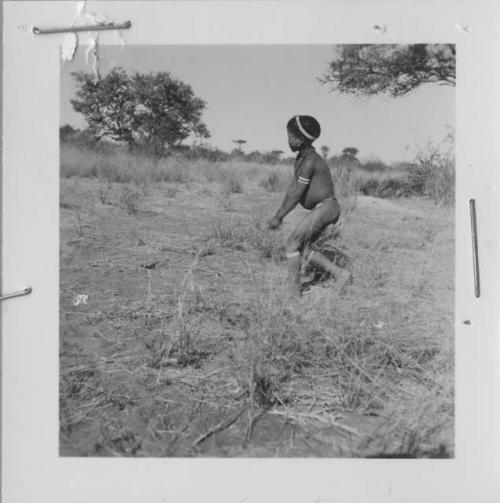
x: 274, y: 223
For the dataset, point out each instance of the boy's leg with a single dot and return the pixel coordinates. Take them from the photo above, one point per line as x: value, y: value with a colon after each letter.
x: 317, y: 221
x: 294, y: 246
x: 293, y: 262
x: 309, y: 229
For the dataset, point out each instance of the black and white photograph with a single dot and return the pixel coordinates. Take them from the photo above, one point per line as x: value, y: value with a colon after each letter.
x: 250, y: 251
x: 257, y: 250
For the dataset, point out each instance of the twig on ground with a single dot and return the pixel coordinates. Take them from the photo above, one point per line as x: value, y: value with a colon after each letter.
x: 219, y: 427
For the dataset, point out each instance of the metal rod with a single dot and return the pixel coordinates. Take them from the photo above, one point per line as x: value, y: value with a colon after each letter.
x: 475, y: 258
x: 26, y: 291
x: 72, y: 29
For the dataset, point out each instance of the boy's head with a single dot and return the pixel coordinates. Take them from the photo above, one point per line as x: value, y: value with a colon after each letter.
x: 302, y: 130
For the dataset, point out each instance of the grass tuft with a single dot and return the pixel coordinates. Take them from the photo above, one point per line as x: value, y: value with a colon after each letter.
x: 274, y: 182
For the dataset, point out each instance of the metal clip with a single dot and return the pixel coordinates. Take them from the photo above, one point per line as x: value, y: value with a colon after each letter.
x: 26, y: 291
x: 72, y: 29
x: 475, y: 259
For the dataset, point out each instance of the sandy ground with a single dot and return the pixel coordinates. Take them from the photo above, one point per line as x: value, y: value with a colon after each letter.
x: 120, y: 394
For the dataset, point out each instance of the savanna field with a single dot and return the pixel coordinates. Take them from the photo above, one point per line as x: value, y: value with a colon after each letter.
x: 188, y: 344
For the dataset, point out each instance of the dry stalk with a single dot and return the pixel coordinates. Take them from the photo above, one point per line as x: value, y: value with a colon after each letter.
x: 223, y: 425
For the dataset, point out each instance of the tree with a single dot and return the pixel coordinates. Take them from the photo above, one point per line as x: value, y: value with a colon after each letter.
x: 107, y: 104
x: 272, y: 157
x: 66, y: 132
x: 325, y: 151
x: 167, y: 111
x: 155, y: 109
x: 369, y: 69
x: 350, y: 152
x: 347, y: 161
x: 239, y: 144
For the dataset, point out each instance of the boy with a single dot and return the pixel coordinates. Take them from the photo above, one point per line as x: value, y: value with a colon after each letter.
x: 312, y: 186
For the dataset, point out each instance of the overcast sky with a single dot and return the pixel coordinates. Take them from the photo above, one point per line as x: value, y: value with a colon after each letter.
x: 251, y: 92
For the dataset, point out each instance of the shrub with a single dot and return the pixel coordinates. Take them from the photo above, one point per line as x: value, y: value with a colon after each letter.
x: 374, y: 164
x: 392, y: 183
x: 433, y: 174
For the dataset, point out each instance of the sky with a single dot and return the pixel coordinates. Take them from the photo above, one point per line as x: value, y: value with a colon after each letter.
x: 252, y: 91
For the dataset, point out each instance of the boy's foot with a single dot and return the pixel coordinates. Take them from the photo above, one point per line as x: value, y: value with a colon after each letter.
x: 308, y: 278
x: 342, y: 276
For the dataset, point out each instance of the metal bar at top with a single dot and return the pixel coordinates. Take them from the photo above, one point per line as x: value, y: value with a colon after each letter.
x: 72, y: 29
x: 26, y: 291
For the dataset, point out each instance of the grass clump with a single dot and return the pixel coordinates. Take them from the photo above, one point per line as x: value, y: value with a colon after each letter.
x: 276, y: 346
x: 129, y: 199
x: 178, y: 344
x: 243, y: 235
x: 433, y: 173
x: 232, y: 184
x: 346, y: 189
x: 273, y: 182
x: 385, y: 184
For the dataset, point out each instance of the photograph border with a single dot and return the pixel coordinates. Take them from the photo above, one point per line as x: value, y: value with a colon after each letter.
x: 32, y: 469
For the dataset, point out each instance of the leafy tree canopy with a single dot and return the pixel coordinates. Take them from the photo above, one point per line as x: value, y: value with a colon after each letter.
x: 152, y: 109
x: 350, y: 152
x: 370, y: 69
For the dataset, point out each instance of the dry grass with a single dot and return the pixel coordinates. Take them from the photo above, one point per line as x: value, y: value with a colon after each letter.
x: 125, y: 167
x: 387, y: 184
x: 246, y: 234
x: 274, y: 181
x: 432, y: 174
x: 189, y: 344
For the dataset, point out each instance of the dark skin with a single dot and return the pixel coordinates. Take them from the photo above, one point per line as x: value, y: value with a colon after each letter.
x: 309, y: 195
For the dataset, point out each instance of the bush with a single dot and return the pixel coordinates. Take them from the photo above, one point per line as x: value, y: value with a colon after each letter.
x: 392, y: 183
x: 374, y: 164
x: 433, y: 174
x: 201, y: 152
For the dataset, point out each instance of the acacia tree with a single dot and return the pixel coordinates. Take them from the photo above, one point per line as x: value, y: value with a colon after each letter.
x: 350, y: 152
x: 156, y: 110
x: 239, y: 144
x: 369, y: 69
x: 167, y: 111
x: 107, y: 104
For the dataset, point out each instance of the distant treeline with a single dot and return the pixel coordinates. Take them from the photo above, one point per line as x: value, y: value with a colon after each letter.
x: 345, y: 160
x: 432, y: 173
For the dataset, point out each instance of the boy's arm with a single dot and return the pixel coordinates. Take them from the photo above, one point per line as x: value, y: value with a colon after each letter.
x: 295, y: 191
